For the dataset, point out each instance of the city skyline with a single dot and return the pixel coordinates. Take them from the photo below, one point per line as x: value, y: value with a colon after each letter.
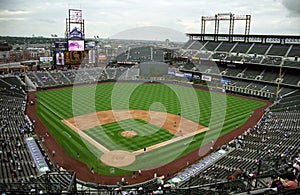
x: 109, y: 18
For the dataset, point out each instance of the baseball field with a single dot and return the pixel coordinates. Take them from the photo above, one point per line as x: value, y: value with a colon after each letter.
x: 132, y: 126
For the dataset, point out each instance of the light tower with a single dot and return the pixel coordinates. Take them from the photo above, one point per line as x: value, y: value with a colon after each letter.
x: 225, y: 16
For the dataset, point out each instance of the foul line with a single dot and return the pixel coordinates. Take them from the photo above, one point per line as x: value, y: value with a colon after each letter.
x: 86, y: 137
x: 153, y: 147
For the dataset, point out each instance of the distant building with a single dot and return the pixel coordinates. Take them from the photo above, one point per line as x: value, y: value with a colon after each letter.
x: 4, y: 51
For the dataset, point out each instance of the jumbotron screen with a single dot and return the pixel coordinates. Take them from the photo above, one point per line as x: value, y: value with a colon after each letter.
x: 75, y: 45
x: 74, y: 57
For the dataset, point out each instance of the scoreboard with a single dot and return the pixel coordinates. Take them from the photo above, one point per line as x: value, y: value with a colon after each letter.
x: 75, y: 57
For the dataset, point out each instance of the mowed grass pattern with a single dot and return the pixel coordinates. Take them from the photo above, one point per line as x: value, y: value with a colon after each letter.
x: 55, y: 105
x: 147, y: 135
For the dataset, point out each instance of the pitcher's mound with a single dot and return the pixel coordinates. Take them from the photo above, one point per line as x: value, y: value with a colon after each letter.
x: 128, y: 134
x: 117, y: 158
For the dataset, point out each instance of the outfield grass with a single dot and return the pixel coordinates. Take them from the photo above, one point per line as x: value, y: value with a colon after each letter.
x: 55, y: 105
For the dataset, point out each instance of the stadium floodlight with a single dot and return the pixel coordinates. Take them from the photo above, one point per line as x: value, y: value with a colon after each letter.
x: 225, y: 16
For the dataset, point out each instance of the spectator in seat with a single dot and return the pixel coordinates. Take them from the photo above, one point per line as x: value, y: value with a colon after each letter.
x: 296, y: 167
x: 276, y: 183
x: 158, y: 191
x: 291, y: 182
x: 236, y: 174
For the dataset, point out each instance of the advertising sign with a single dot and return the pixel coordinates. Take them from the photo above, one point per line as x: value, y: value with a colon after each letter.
x: 206, y: 78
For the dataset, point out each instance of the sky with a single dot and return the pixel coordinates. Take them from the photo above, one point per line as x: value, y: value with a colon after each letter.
x: 106, y: 18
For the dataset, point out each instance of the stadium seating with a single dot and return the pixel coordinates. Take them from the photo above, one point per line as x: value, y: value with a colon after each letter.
x: 70, y: 75
x: 270, y: 74
x: 272, y: 60
x: 278, y: 50
x: 271, y: 88
x: 234, y: 71
x: 60, y: 78
x: 225, y: 46
x: 291, y: 77
x: 254, y: 61
x: 259, y: 49
x: 16, y: 162
x: 211, y: 45
x: 197, y: 45
x: 235, y: 58
x: 220, y: 56
x: 241, y: 48
x: 203, y: 55
x: 122, y: 57
x: 188, y: 44
x: 295, y: 51
x: 291, y: 64
x: 253, y: 71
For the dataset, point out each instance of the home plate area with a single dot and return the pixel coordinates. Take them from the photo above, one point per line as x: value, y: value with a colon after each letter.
x: 117, y: 158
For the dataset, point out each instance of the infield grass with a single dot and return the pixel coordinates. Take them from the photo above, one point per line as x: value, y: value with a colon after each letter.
x: 147, y: 135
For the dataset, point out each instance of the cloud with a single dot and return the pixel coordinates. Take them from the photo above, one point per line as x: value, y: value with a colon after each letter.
x: 190, y: 26
x: 293, y: 6
x: 110, y: 16
x: 151, y: 33
x: 13, y: 12
x: 48, y: 21
x: 12, y: 19
x: 13, y: 15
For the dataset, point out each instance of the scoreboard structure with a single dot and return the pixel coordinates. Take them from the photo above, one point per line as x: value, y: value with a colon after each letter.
x: 72, y: 51
x: 75, y: 21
